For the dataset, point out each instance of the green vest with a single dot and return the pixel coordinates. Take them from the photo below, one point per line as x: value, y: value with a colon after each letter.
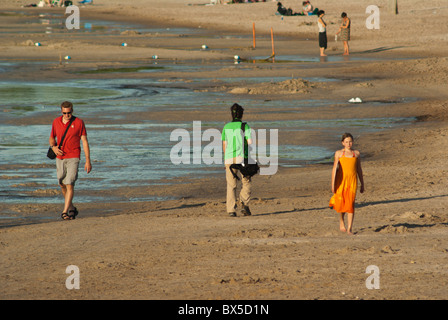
x: 232, y: 134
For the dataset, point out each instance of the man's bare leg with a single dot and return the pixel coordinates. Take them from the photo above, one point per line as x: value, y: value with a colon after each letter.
x: 68, y: 192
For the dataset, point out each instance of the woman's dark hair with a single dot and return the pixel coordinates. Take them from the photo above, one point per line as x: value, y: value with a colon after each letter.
x: 347, y: 135
x: 320, y: 12
x: 237, y: 111
x: 343, y: 15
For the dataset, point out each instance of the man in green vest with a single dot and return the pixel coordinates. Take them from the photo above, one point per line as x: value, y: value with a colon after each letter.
x: 234, y: 153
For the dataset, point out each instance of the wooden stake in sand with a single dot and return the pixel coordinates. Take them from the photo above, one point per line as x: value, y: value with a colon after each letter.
x: 272, y: 41
x: 393, y: 6
x: 253, y: 32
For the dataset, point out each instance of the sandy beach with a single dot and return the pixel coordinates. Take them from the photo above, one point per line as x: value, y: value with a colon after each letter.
x: 291, y: 248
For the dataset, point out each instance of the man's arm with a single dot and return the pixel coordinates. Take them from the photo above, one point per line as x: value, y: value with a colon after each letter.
x: 85, y: 146
x: 52, y: 141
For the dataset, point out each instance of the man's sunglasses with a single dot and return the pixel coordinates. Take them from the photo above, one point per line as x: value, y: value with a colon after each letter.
x: 67, y: 112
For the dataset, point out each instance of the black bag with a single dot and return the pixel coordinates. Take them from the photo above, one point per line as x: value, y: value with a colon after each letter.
x: 50, y: 152
x: 247, y: 169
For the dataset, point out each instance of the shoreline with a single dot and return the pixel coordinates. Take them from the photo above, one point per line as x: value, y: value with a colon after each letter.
x: 291, y: 247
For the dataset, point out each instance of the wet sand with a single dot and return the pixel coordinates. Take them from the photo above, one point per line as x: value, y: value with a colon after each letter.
x: 291, y: 248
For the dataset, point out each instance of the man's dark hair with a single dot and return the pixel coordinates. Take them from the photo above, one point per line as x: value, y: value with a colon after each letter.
x: 237, y: 111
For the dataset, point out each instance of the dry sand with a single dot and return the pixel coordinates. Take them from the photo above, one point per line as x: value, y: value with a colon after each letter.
x: 291, y: 247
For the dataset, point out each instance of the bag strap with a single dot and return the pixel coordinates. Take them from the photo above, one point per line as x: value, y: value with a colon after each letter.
x: 246, y: 146
x: 243, y: 128
x: 65, y: 133
x: 238, y: 166
x: 235, y: 166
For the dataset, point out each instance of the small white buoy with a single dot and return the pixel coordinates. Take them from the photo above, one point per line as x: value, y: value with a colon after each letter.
x: 37, y: 44
x: 124, y: 44
x: 155, y: 57
x: 236, y: 57
x: 204, y: 46
x: 67, y: 57
x: 355, y: 100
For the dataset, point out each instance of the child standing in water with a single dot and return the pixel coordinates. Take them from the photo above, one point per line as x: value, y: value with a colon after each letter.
x: 344, y: 182
x: 322, y: 33
x: 344, y: 30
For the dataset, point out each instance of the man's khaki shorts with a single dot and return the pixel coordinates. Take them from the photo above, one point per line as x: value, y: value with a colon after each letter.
x: 67, y: 170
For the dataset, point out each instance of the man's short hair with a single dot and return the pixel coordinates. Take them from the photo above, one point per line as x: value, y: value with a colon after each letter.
x: 66, y: 104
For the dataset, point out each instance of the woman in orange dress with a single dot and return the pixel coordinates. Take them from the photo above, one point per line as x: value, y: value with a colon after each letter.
x: 344, y: 182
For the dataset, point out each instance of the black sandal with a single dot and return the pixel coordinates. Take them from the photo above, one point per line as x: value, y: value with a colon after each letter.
x: 75, y: 213
x: 65, y: 216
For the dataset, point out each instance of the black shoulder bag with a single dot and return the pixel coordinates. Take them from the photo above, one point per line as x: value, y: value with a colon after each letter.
x: 247, y: 169
x: 50, y: 153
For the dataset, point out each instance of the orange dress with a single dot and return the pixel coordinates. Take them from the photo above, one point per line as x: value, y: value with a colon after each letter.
x: 346, y: 184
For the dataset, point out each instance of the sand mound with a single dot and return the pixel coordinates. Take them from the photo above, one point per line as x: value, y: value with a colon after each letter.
x: 292, y: 86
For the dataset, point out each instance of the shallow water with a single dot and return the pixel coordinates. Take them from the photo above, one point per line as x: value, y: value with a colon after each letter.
x: 309, y: 59
x: 134, y: 152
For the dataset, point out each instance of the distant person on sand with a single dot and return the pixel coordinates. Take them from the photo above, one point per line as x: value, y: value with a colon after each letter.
x: 286, y: 12
x: 68, y: 154
x: 307, y: 8
x: 322, y: 33
x: 344, y: 30
x: 234, y: 153
x: 283, y: 11
x: 344, y: 182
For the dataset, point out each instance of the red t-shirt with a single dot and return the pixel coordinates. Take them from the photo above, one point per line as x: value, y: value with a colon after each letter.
x: 71, y: 145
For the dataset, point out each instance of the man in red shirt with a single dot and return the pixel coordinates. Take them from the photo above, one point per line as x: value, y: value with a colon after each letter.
x: 69, y: 154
